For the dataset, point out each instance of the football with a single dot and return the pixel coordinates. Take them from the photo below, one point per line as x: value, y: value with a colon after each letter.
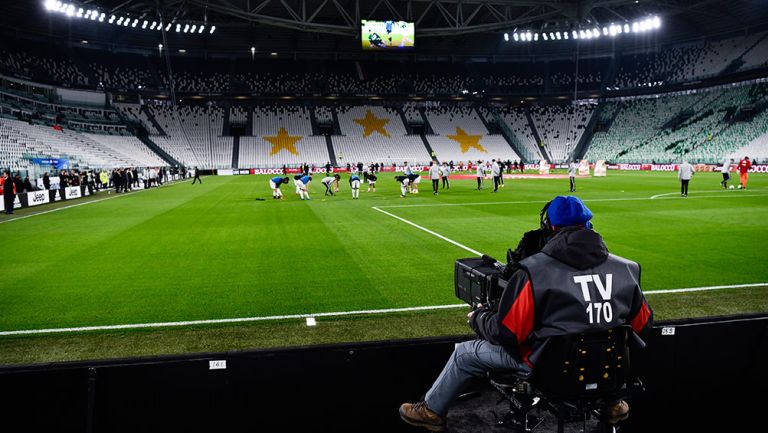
x: 739, y: 187
x: 730, y: 187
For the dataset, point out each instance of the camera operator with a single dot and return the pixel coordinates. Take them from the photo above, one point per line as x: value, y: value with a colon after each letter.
x: 555, y: 276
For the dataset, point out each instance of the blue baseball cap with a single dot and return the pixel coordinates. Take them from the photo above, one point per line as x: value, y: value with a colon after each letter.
x: 568, y: 211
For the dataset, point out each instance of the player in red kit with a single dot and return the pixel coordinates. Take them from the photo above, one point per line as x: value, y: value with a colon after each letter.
x: 743, y: 167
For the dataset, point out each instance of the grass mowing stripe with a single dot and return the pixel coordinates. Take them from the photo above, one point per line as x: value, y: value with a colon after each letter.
x: 83, y: 203
x: 304, y: 316
x: 430, y: 232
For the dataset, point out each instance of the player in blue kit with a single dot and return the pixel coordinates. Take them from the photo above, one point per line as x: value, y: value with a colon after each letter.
x: 354, y: 183
x: 275, y: 183
x: 302, y: 186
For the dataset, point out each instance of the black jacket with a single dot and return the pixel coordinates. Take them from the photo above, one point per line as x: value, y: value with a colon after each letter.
x: 548, y: 295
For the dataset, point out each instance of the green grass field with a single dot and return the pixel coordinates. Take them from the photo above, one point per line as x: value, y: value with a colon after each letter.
x: 198, y: 252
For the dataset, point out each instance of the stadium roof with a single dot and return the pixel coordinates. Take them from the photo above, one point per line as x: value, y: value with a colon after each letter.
x: 324, y: 27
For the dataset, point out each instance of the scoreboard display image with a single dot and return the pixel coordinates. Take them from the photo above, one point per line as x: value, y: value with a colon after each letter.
x: 387, y: 35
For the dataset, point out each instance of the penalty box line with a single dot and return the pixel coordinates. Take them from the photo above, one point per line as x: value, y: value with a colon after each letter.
x: 304, y: 316
x: 438, y: 235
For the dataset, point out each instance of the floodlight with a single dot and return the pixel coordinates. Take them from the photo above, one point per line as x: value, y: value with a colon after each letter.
x: 94, y: 15
x: 596, y: 32
x: 605, y: 31
x: 635, y: 27
x: 535, y: 36
x: 144, y: 24
x: 575, y: 35
x: 506, y: 37
x: 626, y: 28
x: 544, y: 35
x: 120, y: 21
x: 160, y: 46
x: 186, y: 28
x: 515, y: 37
x: 87, y: 14
x: 50, y: 5
x: 565, y: 34
x: 153, y: 25
x: 656, y: 22
x: 253, y: 50
x: 168, y: 27
x: 194, y: 27
x: 213, y: 29
x: 111, y: 19
x: 178, y: 28
x: 101, y: 17
x: 70, y: 10
x: 135, y: 21
x: 80, y: 13
x: 202, y: 27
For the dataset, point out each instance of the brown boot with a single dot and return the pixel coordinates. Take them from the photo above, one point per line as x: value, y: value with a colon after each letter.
x: 420, y: 415
x: 618, y: 412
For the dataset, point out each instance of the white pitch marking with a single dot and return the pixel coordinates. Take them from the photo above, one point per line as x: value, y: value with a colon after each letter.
x: 305, y: 316
x: 594, y: 200
x: 701, y: 289
x: 721, y: 191
x: 430, y: 232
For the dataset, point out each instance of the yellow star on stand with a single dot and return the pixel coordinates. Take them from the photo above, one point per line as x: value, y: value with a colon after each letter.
x: 283, y: 141
x: 372, y: 124
x: 467, y: 141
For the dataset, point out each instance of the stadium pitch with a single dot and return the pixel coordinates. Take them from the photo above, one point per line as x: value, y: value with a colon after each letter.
x: 212, y: 253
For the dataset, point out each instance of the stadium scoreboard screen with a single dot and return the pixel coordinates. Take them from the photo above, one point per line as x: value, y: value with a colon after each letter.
x: 387, y: 35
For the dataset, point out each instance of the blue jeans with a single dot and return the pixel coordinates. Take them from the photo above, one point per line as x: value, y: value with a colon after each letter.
x: 470, y: 359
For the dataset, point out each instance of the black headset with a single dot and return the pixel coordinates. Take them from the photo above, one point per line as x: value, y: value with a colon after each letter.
x: 544, y: 224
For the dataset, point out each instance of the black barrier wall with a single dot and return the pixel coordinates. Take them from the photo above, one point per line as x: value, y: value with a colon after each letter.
x: 703, y: 375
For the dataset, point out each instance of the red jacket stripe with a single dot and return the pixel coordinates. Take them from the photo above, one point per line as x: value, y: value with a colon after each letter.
x: 641, y: 318
x: 519, y: 318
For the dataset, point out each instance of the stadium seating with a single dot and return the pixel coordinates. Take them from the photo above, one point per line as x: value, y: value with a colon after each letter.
x: 21, y: 140
x: 560, y: 127
x: 282, y: 135
x: 133, y: 112
x: 518, y: 123
x: 376, y: 134
x: 694, y: 126
x: 461, y: 136
x: 194, y: 135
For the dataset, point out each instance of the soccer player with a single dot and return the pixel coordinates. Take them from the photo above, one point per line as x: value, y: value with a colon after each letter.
x: 572, y: 169
x: 275, y: 183
x: 479, y: 175
x: 414, y: 180
x: 331, y: 184
x: 445, y: 171
x: 404, y: 181
x: 685, y: 173
x: 372, y: 182
x: 743, y: 167
x: 501, y: 172
x: 434, y: 175
x: 726, y: 171
x: 302, y: 186
x: 354, y: 184
x: 407, y: 170
x: 496, y: 171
